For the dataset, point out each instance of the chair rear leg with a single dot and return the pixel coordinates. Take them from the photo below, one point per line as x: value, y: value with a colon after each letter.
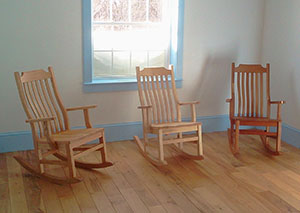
x: 161, y: 146
x: 278, y: 141
x: 71, y: 162
x: 267, y: 139
x: 199, y: 144
x: 237, y: 133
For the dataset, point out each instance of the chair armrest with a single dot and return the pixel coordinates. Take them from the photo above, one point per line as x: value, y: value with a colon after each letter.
x: 81, y: 107
x: 228, y: 100
x: 39, y: 119
x: 144, y: 107
x: 277, y: 102
x: 188, y: 103
x: 85, y: 113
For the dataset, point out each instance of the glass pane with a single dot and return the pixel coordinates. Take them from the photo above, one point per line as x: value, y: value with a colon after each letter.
x: 102, y: 63
x: 101, y: 10
x: 120, y: 10
x: 155, y: 10
x: 138, y: 58
x: 102, y: 37
x: 157, y: 58
x: 138, y: 10
x: 121, y: 63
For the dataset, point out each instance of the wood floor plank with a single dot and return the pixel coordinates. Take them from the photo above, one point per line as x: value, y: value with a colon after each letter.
x: 4, y: 198
x: 94, y: 188
x: 16, y: 185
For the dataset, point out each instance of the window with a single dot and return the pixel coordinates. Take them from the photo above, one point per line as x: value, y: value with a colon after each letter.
x: 119, y: 35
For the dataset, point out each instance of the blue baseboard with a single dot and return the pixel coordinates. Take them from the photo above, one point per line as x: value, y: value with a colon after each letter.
x: 18, y: 141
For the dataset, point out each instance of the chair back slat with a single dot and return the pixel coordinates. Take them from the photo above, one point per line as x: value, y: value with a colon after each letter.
x: 155, y: 90
x: 156, y: 102
x: 261, y: 94
x: 170, y: 100
x: 252, y: 95
x: 54, y: 105
x: 239, y: 93
x: 243, y: 93
x: 251, y: 83
x: 32, y: 104
x: 49, y: 107
x: 247, y: 94
x: 256, y: 94
x: 39, y: 97
x: 165, y: 98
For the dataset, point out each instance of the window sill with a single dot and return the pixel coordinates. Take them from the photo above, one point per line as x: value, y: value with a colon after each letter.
x: 106, y: 85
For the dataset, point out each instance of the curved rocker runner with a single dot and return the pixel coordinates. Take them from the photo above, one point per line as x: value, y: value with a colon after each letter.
x: 159, y: 105
x: 49, y: 123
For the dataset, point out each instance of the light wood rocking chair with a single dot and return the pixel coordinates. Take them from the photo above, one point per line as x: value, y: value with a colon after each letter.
x: 251, y: 83
x: 49, y: 123
x: 159, y: 104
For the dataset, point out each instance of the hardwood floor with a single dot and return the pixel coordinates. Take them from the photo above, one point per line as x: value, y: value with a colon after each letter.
x: 252, y: 182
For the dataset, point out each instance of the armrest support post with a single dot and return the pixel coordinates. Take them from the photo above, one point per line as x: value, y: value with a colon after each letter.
x: 85, y: 110
x: 279, y: 103
x: 146, y: 113
x: 193, y: 109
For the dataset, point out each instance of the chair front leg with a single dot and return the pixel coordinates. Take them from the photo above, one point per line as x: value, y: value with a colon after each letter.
x: 199, y: 145
x: 103, y: 150
x: 179, y: 135
x: 71, y: 162
x: 278, y: 141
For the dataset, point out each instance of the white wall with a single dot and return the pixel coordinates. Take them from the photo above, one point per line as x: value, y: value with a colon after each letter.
x: 281, y: 48
x: 35, y: 34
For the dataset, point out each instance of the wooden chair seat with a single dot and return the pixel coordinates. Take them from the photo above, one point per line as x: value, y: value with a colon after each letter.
x: 173, y: 127
x: 253, y: 121
x: 49, y: 123
x: 160, y: 106
x: 75, y: 135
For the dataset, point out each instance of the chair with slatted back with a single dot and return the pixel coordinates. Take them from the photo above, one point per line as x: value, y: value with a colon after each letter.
x: 161, y: 114
x: 250, y: 105
x: 51, y: 132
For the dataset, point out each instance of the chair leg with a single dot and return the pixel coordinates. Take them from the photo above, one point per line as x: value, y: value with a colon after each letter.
x: 41, y: 167
x: 179, y: 135
x: 71, y: 162
x: 199, y: 145
x: 237, y: 133
x: 103, y: 150
x: 278, y: 141
x: 146, y: 140
x: 161, y: 146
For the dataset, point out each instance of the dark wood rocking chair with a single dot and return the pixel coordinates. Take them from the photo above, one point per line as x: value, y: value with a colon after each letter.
x: 250, y: 93
x: 159, y: 103
x: 49, y: 123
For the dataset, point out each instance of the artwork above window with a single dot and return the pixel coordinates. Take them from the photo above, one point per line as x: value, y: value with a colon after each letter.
x: 119, y: 35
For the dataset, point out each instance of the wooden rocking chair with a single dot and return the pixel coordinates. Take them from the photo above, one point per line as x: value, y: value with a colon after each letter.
x: 252, y: 85
x: 49, y: 123
x: 159, y: 103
